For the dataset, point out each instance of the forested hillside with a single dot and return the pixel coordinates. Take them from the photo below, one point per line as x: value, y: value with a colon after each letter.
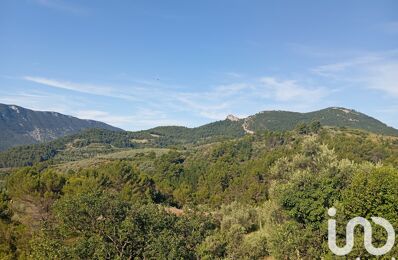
x: 101, y: 141
x: 22, y: 126
x: 333, y: 116
x: 251, y: 197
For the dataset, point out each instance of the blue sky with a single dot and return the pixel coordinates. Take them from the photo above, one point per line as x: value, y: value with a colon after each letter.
x: 140, y: 64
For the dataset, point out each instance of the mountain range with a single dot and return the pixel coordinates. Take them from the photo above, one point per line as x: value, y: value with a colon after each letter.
x: 19, y: 126
x: 41, y: 136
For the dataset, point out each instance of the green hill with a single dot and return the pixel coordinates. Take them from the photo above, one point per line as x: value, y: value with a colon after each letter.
x: 101, y: 141
x: 334, y: 117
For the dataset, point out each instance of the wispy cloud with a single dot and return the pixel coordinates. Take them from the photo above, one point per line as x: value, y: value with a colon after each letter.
x: 310, y: 51
x: 384, y: 77
x: 133, y: 118
x: 242, y: 97
x: 291, y: 90
x: 84, y: 88
x: 333, y: 68
x: 214, y: 103
x: 373, y: 71
x: 251, y: 95
x: 203, y: 104
x: 42, y: 101
x: 130, y: 92
x: 61, y: 6
x: 234, y: 74
x: 142, y: 119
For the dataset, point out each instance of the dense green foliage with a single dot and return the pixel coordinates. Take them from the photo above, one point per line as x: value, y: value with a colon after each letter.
x: 174, y: 135
x: 99, y: 141
x: 248, y: 198
x: 99, y: 226
x: 80, y: 146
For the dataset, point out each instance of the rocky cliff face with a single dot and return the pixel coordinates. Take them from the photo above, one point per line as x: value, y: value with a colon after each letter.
x: 20, y: 126
x: 232, y: 118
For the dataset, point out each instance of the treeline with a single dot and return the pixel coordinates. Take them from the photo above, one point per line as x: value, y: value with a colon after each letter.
x: 160, y: 137
x: 28, y: 155
x: 166, y: 136
x: 248, y: 198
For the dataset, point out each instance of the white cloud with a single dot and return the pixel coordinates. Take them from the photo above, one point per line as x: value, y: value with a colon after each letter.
x: 232, y: 89
x: 130, y: 93
x: 242, y: 97
x: 204, y: 104
x: 372, y: 71
x: 142, y: 119
x: 234, y: 74
x: 290, y: 90
x: 42, y: 101
x: 61, y: 6
x: 82, y: 107
x: 252, y: 96
x: 104, y: 117
x: 333, y: 68
x: 384, y: 77
x: 84, y: 88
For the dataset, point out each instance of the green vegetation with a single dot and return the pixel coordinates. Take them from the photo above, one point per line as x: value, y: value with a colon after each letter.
x: 93, y: 142
x: 251, y: 197
x: 333, y: 117
x: 83, y: 145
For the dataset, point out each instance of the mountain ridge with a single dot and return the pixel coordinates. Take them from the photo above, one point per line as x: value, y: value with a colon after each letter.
x: 276, y: 120
x: 97, y: 141
x: 21, y: 126
x: 231, y: 127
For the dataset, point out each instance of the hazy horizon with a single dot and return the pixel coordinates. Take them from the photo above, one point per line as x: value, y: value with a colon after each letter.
x: 226, y: 118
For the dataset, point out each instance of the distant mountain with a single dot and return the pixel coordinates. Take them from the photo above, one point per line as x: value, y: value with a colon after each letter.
x: 333, y: 116
x: 106, y: 139
x: 20, y: 126
x: 274, y: 120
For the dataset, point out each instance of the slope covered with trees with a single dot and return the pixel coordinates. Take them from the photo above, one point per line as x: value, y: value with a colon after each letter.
x: 101, y: 141
x: 262, y: 195
x: 333, y: 117
x: 107, y: 140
